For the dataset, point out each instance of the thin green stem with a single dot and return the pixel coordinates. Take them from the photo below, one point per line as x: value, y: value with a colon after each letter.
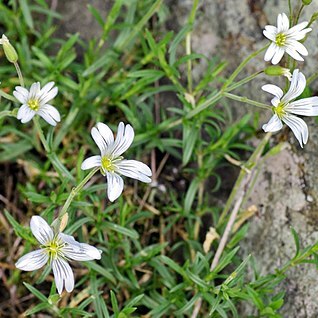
x: 247, y: 101
x: 312, y: 78
x: 17, y: 67
x: 243, y: 81
x: 212, y: 100
x: 189, y: 62
x: 241, y: 66
x: 188, y: 44
x: 41, y: 134
x: 7, y: 96
x: 290, y: 10
x: 298, y: 15
x: 75, y: 191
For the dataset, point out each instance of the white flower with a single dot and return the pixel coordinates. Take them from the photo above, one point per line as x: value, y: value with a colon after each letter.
x: 36, y: 101
x: 284, y: 107
x: 285, y: 39
x: 111, y: 162
x: 56, y: 248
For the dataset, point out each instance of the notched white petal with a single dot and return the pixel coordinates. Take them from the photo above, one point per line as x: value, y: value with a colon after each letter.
x: 91, y: 162
x: 41, y: 230
x: 134, y: 169
x: 298, y: 127
x: 85, y: 253
x: 274, y: 90
x: 32, y: 261
x: 124, y: 138
x: 63, y: 275
x: 115, y: 186
x: 274, y: 124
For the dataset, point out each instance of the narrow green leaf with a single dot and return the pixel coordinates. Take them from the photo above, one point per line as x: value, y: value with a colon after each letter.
x: 26, y: 13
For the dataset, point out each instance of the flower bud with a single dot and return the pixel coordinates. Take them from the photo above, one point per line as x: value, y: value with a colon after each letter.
x: 276, y: 70
x: 307, y: 2
x: 9, y: 50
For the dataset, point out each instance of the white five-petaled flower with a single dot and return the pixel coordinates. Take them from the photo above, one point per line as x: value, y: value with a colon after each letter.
x: 285, y: 39
x: 56, y: 248
x: 35, y: 102
x: 111, y: 162
x: 285, y: 107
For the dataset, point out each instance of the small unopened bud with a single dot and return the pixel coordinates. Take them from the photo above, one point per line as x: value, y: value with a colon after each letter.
x: 9, y: 50
x: 307, y: 2
x: 275, y: 70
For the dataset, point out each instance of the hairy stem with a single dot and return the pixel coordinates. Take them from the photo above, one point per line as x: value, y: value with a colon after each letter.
x: 41, y: 134
x: 75, y: 191
x: 247, y: 101
x: 17, y: 67
x: 241, y: 66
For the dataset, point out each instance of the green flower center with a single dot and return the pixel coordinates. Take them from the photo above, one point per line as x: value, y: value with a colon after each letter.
x: 280, y: 39
x: 279, y: 110
x: 34, y: 104
x: 107, y: 165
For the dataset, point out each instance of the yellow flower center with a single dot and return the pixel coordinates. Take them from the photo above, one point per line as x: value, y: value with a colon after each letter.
x: 53, y: 248
x: 279, y: 110
x: 280, y: 39
x: 34, y: 104
x: 107, y: 165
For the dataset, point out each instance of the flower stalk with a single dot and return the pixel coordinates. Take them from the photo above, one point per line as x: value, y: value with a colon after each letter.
x: 75, y: 191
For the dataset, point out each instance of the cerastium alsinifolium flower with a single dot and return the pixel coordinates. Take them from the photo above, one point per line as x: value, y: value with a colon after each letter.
x: 35, y: 102
x: 111, y: 162
x: 285, y: 106
x: 56, y: 249
x: 285, y: 39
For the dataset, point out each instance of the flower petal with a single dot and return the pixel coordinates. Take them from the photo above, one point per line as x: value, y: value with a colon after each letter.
x: 20, y: 97
x: 63, y: 275
x: 32, y: 261
x: 106, y: 133
x: 294, y: 54
x: 297, y: 46
x: 115, y: 186
x: 270, y: 35
x: 70, y: 240
x: 278, y: 55
x: 41, y: 230
x: 46, y: 88
x: 270, y: 52
x: 134, y: 169
x: 124, y: 138
x: 52, y: 111
x: 297, y: 86
x: 34, y: 90
x: 298, y: 126
x: 99, y: 140
x: 274, y: 124
x: 282, y: 23
x: 46, y: 115
x: 298, y: 27
x: 48, y: 96
x: 91, y: 162
x: 304, y: 107
x: 85, y: 253
x: 274, y: 90
x: 25, y: 114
